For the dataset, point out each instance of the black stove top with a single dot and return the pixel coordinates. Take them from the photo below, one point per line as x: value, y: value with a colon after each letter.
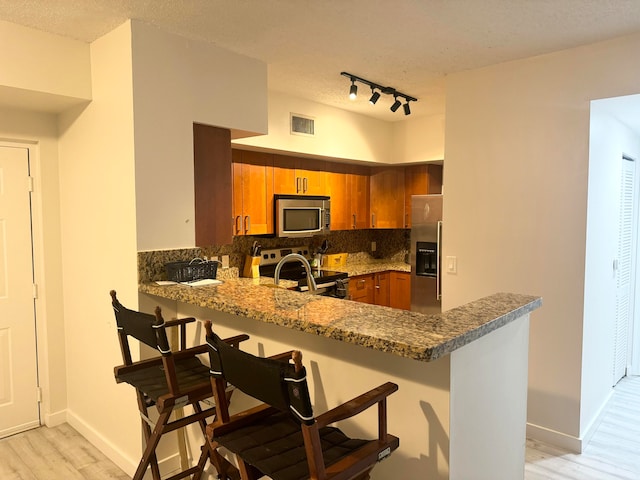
x: 294, y: 270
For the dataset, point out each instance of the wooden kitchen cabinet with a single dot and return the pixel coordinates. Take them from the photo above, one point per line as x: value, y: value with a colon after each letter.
x: 358, y: 185
x: 381, y: 288
x: 420, y: 180
x: 212, y: 185
x: 387, y: 289
x: 400, y: 290
x: 361, y: 288
x: 387, y: 197
x: 337, y: 187
x: 252, y: 193
x: 298, y: 176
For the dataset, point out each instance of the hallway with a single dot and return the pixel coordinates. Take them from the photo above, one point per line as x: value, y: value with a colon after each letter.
x: 613, y: 452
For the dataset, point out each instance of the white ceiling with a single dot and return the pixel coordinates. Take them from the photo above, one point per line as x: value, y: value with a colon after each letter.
x: 410, y: 45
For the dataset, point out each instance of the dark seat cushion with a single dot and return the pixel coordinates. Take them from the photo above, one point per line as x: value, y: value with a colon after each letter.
x: 275, y: 446
x: 153, y: 382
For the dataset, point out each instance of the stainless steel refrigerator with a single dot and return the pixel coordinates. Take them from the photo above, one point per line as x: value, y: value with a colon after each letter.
x: 426, y: 253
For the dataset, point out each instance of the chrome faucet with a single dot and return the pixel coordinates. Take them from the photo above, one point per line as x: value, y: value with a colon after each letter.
x: 311, y: 282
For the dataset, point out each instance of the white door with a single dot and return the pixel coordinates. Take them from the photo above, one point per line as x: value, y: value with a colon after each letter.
x: 624, y: 274
x: 19, y: 409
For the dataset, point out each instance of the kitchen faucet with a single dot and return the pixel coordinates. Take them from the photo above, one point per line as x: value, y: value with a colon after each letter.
x: 311, y: 282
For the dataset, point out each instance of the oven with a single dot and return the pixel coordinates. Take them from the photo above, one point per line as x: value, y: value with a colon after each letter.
x: 329, y: 282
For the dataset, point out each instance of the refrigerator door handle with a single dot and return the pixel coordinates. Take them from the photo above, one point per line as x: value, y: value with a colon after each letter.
x: 438, y: 261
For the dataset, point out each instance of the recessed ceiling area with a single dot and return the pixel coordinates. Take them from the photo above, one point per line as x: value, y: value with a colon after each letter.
x: 409, y: 44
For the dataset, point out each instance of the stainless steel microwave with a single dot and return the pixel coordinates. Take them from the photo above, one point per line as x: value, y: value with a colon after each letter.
x: 302, y: 215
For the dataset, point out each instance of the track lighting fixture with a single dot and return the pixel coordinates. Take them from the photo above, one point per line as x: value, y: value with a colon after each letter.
x: 396, y: 104
x: 374, y: 97
x: 353, y: 91
x: 376, y: 90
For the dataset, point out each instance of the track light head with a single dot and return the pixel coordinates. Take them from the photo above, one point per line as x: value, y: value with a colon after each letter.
x: 374, y: 97
x: 407, y: 110
x: 353, y: 91
x: 396, y: 104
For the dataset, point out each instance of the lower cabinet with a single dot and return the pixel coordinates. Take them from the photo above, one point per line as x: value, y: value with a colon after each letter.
x: 400, y: 290
x: 388, y: 289
x: 361, y: 288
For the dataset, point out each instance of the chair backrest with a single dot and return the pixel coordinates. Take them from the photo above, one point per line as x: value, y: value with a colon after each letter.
x: 274, y: 382
x: 145, y: 327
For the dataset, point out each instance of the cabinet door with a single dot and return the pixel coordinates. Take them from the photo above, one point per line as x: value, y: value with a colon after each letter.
x: 387, y: 197
x: 358, y: 184
x: 400, y: 290
x: 361, y: 288
x: 337, y: 188
x: 310, y: 177
x: 420, y: 180
x: 212, y: 185
x: 284, y: 175
x: 381, y: 289
x: 253, y: 189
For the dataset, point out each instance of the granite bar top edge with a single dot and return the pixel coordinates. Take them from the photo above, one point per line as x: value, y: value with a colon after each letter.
x: 421, y: 337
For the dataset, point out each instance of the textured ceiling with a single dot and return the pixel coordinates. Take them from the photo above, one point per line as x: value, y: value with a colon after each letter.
x: 407, y: 44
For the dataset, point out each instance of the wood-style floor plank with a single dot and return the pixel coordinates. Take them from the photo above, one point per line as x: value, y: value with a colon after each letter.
x: 58, y: 453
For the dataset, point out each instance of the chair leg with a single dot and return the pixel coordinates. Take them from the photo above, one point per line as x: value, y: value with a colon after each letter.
x: 152, y: 443
x: 248, y: 472
x: 146, y: 428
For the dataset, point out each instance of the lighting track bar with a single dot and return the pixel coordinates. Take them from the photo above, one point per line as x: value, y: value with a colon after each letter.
x: 382, y: 89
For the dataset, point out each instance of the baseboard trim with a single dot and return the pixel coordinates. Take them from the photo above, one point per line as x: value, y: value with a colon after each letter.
x: 558, y: 439
x: 569, y: 442
x: 55, y: 419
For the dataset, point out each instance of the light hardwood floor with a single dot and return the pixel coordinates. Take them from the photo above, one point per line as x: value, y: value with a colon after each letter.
x: 613, y: 453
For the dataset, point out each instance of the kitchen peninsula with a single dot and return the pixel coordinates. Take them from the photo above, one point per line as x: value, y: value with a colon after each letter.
x: 460, y: 411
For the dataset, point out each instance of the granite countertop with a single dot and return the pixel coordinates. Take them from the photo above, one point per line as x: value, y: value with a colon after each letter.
x: 407, y: 334
x: 373, y: 266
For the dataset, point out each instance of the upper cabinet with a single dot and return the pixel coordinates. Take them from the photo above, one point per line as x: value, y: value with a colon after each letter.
x: 252, y: 193
x: 212, y: 185
x: 387, y: 197
x: 298, y: 176
x: 234, y: 189
x: 420, y: 180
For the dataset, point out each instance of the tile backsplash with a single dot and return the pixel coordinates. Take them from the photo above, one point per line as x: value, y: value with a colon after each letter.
x: 392, y: 244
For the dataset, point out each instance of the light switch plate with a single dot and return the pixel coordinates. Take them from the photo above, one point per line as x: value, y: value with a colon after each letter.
x: 452, y: 264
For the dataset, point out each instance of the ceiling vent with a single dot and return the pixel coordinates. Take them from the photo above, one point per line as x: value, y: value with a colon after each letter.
x: 302, y: 125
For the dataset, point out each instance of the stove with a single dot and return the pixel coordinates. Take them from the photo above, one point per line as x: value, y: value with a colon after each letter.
x: 329, y: 282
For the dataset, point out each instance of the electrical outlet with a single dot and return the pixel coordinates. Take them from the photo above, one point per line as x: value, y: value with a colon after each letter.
x: 225, y: 261
x: 373, y: 246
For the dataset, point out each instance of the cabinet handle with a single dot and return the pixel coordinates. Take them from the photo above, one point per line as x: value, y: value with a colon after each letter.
x: 236, y: 224
x: 406, y: 220
x: 373, y: 220
x: 305, y: 184
x: 298, y: 184
x: 354, y: 220
x: 247, y: 224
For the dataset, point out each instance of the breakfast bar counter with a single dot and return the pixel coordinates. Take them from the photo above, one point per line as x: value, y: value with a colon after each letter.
x: 407, y: 334
x: 460, y: 411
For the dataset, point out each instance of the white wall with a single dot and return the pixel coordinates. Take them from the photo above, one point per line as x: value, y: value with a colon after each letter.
x: 42, y: 71
x: 39, y: 132
x: 609, y: 140
x: 517, y: 147
x: 338, y: 133
x: 178, y: 82
x: 419, y: 139
x: 98, y: 218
